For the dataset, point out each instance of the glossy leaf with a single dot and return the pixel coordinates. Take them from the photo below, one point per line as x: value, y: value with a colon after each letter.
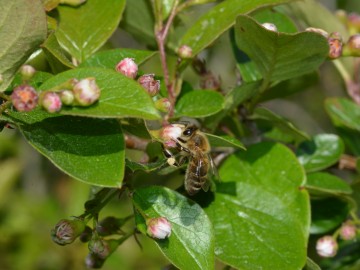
x: 84, y: 29
x: 199, y: 103
x: 327, y: 214
x: 321, y: 152
x: 343, y: 112
x: 282, y: 22
x: 139, y: 21
x: 120, y: 96
x: 110, y: 58
x: 56, y: 57
x: 280, y: 123
x: 325, y: 183
x: 311, y: 265
x: 280, y: 56
x: 224, y: 141
x: 217, y: 20
x: 23, y: 29
x: 262, y: 208
x: 88, y: 149
x: 191, y: 244
x: 147, y: 167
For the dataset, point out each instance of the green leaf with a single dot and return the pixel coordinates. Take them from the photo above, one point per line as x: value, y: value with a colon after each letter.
x: 291, y: 86
x: 325, y: 183
x: 282, y: 22
x: 23, y: 29
x: 240, y: 94
x: 280, y: 56
x: 88, y: 149
x: 166, y: 6
x: 191, y: 244
x: 147, y: 167
x: 327, y: 214
x: 260, y: 206
x: 321, y: 152
x: 311, y: 265
x: 199, y: 103
x: 220, y: 18
x: 139, y: 21
x: 57, y: 59
x: 120, y: 96
x: 224, y: 141
x: 343, y: 112
x: 110, y: 58
x: 84, y: 29
x: 280, y: 123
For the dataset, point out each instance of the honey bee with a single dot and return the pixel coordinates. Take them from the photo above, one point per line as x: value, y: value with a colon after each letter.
x: 194, y: 146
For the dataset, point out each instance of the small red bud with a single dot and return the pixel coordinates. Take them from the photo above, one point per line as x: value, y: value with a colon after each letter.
x: 326, y: 246
x: 128, y: 67
x: 86, y: 92
x: 354, y: 22
x: 352, y: 47
x: 27, y: 72
x: 159, y: 228
x: 51, y: 102
x: 24, y: 98
x: 163, y: 105
x: 86, y: 235
x: 270, y: 26
x: 66, y: 231
x: 185, y: 52
x: 348, y: 231
x: 151, y: 85
x: 67, y: 97
x: 335, y: 44
x: 102, y: 248
x: 93, y: 261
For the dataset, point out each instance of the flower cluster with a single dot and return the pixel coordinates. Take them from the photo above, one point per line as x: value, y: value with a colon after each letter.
x: 129, y: 68
x: 327, y: 245
x: 84, y: 92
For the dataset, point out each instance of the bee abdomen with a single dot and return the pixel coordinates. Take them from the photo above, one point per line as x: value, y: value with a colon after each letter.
x: 196, y: 175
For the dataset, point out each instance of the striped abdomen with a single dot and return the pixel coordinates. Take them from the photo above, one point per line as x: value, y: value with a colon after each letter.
x: 196, y: 174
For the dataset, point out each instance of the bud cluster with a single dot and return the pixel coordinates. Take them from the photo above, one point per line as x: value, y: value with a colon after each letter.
x: 129, y: 68
x: 327, y: 245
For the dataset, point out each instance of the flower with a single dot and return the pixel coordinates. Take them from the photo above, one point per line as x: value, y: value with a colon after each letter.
x: 151, y: 85
x: 86, y: 92
x: 326, y: 246
x: 128, y: 67
x: 51, y: 102
x: 335, y: 44
x: 67, y: 97
x: 159, y: 228
x: 270, y: 26
x: 169, y: 134
x: 27, y: 72
x: 66, y: 231
x: 185, y: 52
x: 24, y: 98
x: 163, y: 105
x: 348, y: 231
x: 352, y: 47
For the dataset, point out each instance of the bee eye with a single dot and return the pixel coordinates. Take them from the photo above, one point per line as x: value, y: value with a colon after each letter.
x: 188, y: 132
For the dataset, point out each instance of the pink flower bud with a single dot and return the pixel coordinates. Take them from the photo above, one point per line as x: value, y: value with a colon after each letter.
x: 93, y: 261
x: 348, y: 231
x: 163, y: 105
x: 354, y: 21
x: 27, y: 72
x: 335, y: 44
x: 352, y: 47
x: 67, y: 97
x: 51, y: 102
x: 24, y: 98
x: 86, y: 92
x: 326, y: 246
x: 151, y: 85
x: 66, y: 231
x: 270, y: 26
x: 159, y: 228
x: 185, y: 52
x: 128, y: 67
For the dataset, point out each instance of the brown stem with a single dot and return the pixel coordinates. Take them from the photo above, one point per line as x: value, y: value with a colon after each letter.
x: 161, y: 36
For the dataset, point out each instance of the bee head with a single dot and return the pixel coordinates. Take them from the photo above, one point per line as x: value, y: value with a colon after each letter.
x: 189, y: 131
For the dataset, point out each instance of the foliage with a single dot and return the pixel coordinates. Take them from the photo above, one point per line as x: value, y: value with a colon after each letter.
x: 280, y: 184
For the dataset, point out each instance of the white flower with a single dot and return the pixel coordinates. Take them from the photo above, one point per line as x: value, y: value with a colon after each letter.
x: 326, y: 246
x: 159, y: 228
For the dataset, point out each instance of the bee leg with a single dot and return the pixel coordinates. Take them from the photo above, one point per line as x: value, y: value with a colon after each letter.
x: 182, y: 148
x: 171, y: 160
